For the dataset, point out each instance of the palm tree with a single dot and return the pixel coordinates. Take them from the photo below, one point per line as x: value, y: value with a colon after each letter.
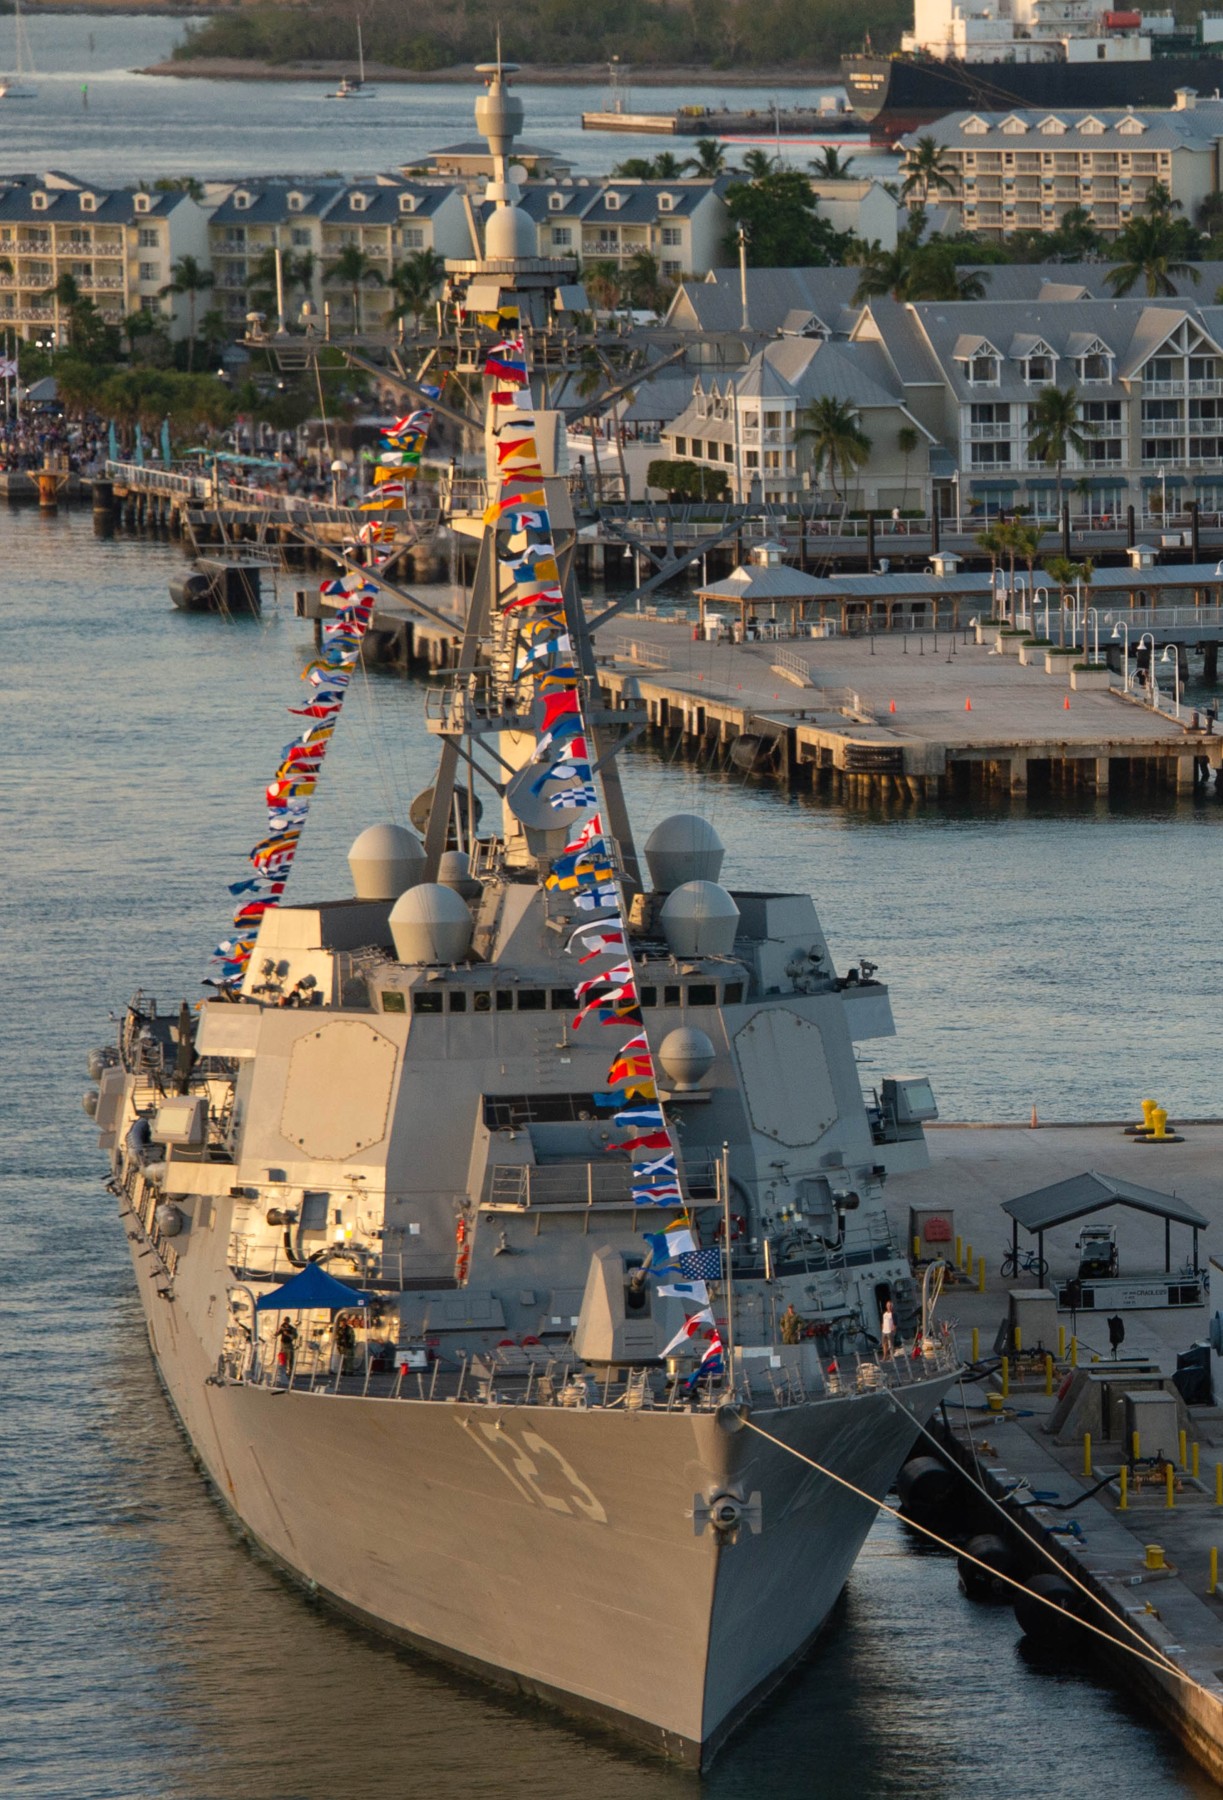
x: 602, y: 281
x: 1149, y: 250
x: 883, y: 272
x: 590, y: 382
x: 414, y: 282
x: 667, y: 166
x: 757, y: 164
x: 1055, y: 428
x: 1159, y: 202
x: 828, y: 165
x: 189, y: 277
x: 907, y: 440
x: 710, y: 158
x: 352, y: 267
x: 992, y: 541
x: 928, y: 166
x: 837, y: 439
x: 1065, y: 573
x: 646, y: 287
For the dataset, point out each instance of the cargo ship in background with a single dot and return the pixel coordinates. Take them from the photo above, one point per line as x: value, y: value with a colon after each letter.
x: 998, y: 53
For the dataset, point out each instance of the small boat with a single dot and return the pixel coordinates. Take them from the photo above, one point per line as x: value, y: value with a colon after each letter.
x: 358, y: 88
x: 18, y: 86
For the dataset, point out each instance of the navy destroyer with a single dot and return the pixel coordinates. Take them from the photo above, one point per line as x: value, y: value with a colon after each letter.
x: 509, y: 1228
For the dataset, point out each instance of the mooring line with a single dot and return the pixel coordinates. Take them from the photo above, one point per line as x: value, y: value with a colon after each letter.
x: 1150, y: 1655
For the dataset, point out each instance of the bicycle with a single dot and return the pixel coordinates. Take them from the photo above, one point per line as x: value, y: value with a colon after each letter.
x: 1024, y: 1262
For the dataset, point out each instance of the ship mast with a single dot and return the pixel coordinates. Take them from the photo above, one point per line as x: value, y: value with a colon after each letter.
x: 509, y: 278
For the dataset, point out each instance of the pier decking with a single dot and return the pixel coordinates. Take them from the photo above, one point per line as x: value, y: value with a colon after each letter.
x: 912, y: 715
x: 973, y: 1170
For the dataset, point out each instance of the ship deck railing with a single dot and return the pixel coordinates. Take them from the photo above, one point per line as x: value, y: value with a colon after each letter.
x: 580, y: 1187
x: 518, y: 1376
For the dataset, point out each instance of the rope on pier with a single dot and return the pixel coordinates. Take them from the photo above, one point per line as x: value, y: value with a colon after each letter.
x: 1148, y: 1654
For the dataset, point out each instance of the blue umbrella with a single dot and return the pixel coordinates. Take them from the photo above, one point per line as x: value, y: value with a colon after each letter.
x: 139, y: 448
x: 165, y: 442
x: 112, y: 442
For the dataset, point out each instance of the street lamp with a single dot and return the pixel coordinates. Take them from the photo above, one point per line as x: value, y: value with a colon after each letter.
x: 1094, y: 616
x: 1172, y: 654
x: 955, y: 480
x: 1036, y: 594
x: 1163, y: 499
x: 1121, y: 630
x: 1147, y: 638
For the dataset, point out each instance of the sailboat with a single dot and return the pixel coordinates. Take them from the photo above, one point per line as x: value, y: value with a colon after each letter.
x: 19, y: 85
x: 360, y: 88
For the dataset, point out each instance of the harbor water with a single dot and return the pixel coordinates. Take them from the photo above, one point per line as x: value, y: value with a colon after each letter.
x: 129, y: 126
x: 1067, y: 958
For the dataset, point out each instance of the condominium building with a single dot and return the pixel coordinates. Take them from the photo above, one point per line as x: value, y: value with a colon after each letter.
x: 313, y: 223
x: 681, y: 224
x: 1021, y: 170
x: 118, y: 245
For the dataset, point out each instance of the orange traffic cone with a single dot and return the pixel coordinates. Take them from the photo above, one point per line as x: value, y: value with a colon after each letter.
x: 891, y: 706
x: 968, y: 706
x: 1066, y: 704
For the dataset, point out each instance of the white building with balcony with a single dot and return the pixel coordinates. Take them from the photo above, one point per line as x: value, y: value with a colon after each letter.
x: 118, y: 245
x: 1148, y: 375
x: 1021, y: 170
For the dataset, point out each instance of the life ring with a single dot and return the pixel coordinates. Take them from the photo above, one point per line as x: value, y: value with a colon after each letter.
x: 738, y: 1228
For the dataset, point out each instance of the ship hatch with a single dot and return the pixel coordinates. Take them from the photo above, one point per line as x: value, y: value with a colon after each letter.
x: 785, y: 1077
x: 339, y: 1090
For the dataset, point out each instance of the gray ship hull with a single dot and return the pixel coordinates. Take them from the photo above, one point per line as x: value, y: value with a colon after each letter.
x: 553, y: 1551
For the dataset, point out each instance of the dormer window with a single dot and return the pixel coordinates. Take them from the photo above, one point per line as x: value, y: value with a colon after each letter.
x: 242, y: 201
x: 983, y: 369
x: 1039, y: 369
x: 1131, y: 127
x: 1053, y: 126
x: 613, y: 202
x: 556, y: 203
x: 407, y: 203
x: 1091, y: 126
x: 975, y: 127
x: 38, y: 201
x: 666, y: 202
x: 1014, y: 127
x: 89, y: 203
x: 358, y: 202
x: 296, y: 202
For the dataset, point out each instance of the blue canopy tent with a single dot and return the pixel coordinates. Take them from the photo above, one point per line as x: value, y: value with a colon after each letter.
x: 314, y: 1287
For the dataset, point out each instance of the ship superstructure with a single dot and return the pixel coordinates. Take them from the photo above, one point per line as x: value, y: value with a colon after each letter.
x: 1056, y: 53
x: 482, y: 1210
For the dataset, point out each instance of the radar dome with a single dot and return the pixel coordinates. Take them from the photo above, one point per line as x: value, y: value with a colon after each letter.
x: 685, y: 1055
x: 385, y: 860
x: 430, y: 924
x: 682, y: 848
x: 509, y: 235
x: 700, y: 919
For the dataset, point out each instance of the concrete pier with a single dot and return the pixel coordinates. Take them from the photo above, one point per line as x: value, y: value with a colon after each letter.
x: 973, y: 1170
x: 906, y: 716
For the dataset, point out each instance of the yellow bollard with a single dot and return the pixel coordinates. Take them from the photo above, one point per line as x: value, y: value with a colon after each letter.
x: 1006, y: 1377
x: 1061, y: 1343
x: 1159, y: 1123
x: 1194, y: 1470
x: 916, y: 1249
x: 959, y: 1252
x: 1123, y: 1499
x: 1074, y: 1353
x: 1018, y: 1339
x: 976, y: 1348
x: 1155, y: 1556
x: 1171, y: 1486
x: 1135, y: 1446
x: 1184, y: 1450
x: 1048, y: 1375
x: 1148, y: 1115
x: 1214, y: 1569
x: 981, y: 1275
x: 968, y: 1260
x: 1087, y: 1454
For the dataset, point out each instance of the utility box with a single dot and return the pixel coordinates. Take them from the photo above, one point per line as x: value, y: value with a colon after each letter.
x: 1033, y: 1312
x: 932, y: 1233
x: 1155, y: 1417
x: 182, y: 1121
